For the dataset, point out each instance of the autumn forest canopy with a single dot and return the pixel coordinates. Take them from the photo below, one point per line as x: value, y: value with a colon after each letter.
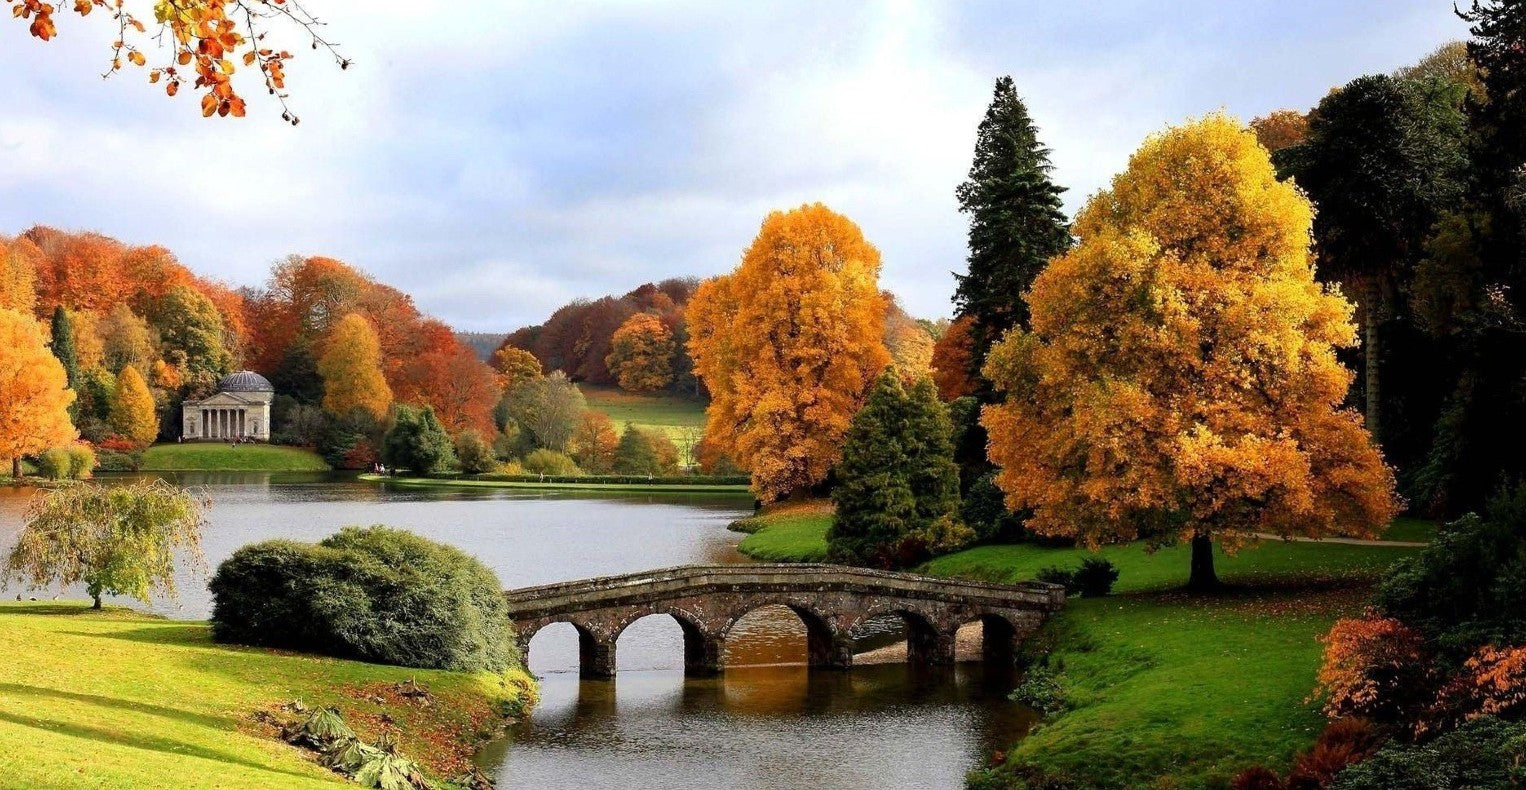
x: 1297, y: 326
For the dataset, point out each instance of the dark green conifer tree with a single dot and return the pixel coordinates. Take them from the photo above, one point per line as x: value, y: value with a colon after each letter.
x: 635, y: 454
x: 897, y: 484
x: 1016, y: 222
x: 62, y: 344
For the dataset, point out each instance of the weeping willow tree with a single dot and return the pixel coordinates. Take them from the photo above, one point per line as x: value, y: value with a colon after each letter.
x: 117, y: 540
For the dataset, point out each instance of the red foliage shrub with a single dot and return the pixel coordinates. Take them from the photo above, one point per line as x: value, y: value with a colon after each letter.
x: 1345, y: 741
x: 118, y: 444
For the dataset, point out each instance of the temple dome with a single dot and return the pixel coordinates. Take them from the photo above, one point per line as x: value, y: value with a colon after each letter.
x: 245, y: 381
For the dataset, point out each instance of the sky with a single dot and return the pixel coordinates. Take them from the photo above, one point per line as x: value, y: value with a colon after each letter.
x: 498, y: 159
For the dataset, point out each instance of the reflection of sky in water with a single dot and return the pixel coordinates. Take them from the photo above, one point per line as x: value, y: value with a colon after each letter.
x: 765, y: 723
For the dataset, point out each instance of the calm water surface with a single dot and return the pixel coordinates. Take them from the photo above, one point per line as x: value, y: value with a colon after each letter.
x: 765, y: 723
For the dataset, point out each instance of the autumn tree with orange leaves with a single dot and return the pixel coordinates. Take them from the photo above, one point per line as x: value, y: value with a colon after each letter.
x: 788, y: 345
x: 351, y: 370
x: 34, y: 393
x: 951, y: 360
x: 641, y: 354
x: 208, y: 41
x: 1179, y: 380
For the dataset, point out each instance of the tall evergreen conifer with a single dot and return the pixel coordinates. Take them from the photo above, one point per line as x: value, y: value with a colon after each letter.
x: 897, y: 484
x: 62, y: 345
x: 1016, y: 222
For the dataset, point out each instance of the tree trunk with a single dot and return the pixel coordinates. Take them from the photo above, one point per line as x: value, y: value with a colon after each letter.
x: 16, y: 467
x: 97, y: 603
x: 1203, y: 576
x: 1372, y: 351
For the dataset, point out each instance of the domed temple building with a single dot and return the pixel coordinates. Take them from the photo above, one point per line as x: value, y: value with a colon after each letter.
x: 240, y: 409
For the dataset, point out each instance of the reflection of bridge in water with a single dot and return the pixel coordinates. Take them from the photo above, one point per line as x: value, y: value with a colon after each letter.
x: 833, y: 601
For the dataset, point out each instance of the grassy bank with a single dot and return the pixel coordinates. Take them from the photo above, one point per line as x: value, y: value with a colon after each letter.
x: 124, y: 700
x: 219, y: 457
x: 1164, y: 689
x: 1167, y: 690
x: 467, y: 482
x: 787, y: 532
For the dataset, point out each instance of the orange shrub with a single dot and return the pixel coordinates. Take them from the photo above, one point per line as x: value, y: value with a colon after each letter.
x: 1376, y: 668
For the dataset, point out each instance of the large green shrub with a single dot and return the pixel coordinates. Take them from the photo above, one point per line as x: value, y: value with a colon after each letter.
x: 549, y: 462
x: 53, y: 463
x: 81, y: 462
x: 417, y: 441
x: 1485, y: 752
x: 376, y: 594
x: 1468, y: 587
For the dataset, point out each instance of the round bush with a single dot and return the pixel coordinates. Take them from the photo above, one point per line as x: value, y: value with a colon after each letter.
x: 53, y: 463
x: 549, y: 462
x: 375, y: 594
x: 81, y: 462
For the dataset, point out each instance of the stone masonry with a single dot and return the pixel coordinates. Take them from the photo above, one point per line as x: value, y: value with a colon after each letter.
x: 832, y: 600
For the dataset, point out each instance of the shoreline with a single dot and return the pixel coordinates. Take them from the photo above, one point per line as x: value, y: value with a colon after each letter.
x: 662, y: 488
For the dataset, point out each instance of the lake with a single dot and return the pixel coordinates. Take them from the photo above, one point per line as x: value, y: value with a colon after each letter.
x: 766, y: 722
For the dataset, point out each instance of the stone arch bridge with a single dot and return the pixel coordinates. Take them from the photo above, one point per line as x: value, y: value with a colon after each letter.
x: 832, y: 600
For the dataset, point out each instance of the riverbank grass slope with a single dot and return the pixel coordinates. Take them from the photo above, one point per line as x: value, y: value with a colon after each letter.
x: 219, y: 457
x: 1164, y: 688
x: 787, y: 532
x: 119, y: 699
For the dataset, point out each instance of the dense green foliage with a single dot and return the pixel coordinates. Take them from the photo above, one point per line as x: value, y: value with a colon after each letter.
x: 546, y: 409
x: 897, y: 491
x: 1484, y: 753
x: 378, y: 594
x: 474, y: 454
x: 643, y: 451
x: 1016, y: 221
x: 62, y: 344
x: 548, y: 462
x: 189, y: 324
x: 1468, y: 588
x: 416, y: 440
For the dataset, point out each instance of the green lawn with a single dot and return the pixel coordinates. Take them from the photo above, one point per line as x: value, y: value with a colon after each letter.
x: 1167, y: 690
x: 117, y: 699
x: 1162, y: 684
x: 219, y: 457
x: 682, y: 419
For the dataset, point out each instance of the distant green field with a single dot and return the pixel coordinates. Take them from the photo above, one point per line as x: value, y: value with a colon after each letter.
x: 682, y: 419
x: 218, y: 457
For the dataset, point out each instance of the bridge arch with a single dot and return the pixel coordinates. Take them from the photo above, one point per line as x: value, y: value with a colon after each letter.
x: 702, y: 648
x: 927, y: 640
x: 596, y: 650
x: 826, y: 645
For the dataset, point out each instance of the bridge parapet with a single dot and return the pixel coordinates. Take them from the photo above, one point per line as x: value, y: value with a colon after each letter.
x: 832, y: 600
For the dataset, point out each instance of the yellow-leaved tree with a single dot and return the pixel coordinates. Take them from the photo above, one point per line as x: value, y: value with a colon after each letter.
x: 132, y: 409
x: 351, y: 370
x: 34, y: 391
x: 788, y: 345
x: 1179, y: 380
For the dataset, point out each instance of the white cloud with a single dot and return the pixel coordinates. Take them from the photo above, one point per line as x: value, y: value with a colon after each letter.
x: 495, y: 159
